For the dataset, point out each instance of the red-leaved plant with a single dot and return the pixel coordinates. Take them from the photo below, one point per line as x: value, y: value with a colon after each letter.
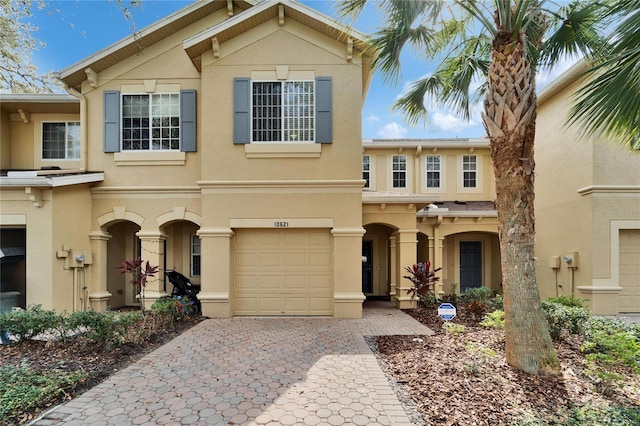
x: 422, y: 277
x: 141, y: 274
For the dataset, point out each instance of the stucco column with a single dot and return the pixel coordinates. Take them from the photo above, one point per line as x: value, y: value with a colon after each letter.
x: 152, y: 250
x: 98, y: 293
x: 436, y: 257
x: 393, y: 273
x: 215, y: 272
x: 347, y: 268
x: 407, y: 245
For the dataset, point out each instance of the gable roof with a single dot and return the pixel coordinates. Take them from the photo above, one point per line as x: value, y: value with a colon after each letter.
x: 75, y: 74
x: 284, y: 9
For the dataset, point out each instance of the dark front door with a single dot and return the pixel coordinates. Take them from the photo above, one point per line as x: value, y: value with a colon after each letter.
x: 367, y: 267
x: 470, y: 264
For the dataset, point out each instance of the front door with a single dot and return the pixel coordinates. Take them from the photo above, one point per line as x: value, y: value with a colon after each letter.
x: 470, y: 265
x: 367, y: 267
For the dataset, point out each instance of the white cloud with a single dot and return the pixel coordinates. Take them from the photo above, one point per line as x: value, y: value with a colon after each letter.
x: 392, y: 130
x: 372, y: 118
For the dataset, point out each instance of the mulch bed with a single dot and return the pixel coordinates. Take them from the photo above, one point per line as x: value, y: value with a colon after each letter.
x: 463, y: 379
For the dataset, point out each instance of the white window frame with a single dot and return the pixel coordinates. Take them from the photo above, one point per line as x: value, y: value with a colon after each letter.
x: 195, y: 255
x: 405, y: 171
x: 438, y: 171
x: 368, y: 170
x: 288, y: 134
x: 465, y: 170
x: 151, y: 127
x: 67, y: 141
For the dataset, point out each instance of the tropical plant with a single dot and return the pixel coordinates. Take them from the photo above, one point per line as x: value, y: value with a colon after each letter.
x: 496, y: 46
x: 141, y: 274
x: 609, y: 102
x: 422, y: 278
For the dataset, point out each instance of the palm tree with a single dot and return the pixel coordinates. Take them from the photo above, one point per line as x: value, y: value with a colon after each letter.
x: 610, y: 102
x: 499, y: 44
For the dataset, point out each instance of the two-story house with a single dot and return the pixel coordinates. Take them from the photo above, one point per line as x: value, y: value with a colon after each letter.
x: 226, y: 140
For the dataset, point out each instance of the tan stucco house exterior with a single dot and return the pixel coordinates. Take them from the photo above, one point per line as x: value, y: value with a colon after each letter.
x: 205, y: 146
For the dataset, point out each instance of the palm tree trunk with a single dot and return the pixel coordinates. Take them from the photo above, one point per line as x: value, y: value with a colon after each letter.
x: 509, y: 118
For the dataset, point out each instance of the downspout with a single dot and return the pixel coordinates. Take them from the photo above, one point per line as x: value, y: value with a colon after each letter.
x: 83, y: 124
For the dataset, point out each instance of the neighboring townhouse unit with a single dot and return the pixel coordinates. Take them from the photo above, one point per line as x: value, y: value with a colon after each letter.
x: 587, y: 209
x: 428, y: 200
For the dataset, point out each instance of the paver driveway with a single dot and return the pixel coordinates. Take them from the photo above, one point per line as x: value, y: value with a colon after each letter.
x: 254, y: 371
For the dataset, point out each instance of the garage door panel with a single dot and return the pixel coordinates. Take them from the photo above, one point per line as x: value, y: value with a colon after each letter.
x: 283, y: 272
x: 295, y: 259
x: 629, y: 300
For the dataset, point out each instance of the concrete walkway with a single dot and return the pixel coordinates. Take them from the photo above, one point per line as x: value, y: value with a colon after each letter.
x: 254, y: 371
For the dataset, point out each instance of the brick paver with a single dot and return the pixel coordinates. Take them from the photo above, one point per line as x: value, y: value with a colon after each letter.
x: 253, y: 371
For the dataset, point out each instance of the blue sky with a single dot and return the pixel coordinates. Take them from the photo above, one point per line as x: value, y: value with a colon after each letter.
x: 75, y: 29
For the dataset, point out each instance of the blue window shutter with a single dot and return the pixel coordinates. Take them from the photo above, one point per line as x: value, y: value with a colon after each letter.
x: 188, y: 121
x: 241, y: 110
x: 324, y: 106
x: 111, y: 121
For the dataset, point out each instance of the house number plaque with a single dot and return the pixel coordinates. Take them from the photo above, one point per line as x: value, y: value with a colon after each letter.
x: 280, y: 224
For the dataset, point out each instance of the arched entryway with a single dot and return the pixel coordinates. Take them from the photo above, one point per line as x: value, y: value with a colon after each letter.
x: 376, y: 261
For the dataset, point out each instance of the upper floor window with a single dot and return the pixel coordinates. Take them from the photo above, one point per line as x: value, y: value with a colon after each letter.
x: 151, y: 122
x: 399, y: 166
x: 366, y: 170
x: 433, y: 171
x: 469, y: 171
x: 283, y: 111
x: 195, y: 255
x: 61, y: 140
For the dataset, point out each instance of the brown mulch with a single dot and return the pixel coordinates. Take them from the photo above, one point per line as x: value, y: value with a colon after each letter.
x: 464, y: 380
x: 82, y: 355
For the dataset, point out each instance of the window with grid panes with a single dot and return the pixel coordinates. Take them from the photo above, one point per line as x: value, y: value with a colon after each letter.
x: 283, y: 111
x: 433, y: 171
x: 61, y: 140
x: 366, y: 170
x: 469, y: 171
x: 399, y: 166
x: 195, y: 255
x: 151, y: 122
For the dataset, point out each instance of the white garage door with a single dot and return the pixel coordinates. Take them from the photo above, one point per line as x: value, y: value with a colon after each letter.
x: 283, y: 272
x: 630, y: 270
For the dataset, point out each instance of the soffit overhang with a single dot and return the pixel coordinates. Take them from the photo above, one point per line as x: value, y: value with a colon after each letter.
x: 39, y: 103
x: 74, y: 75
x: 265, y: 11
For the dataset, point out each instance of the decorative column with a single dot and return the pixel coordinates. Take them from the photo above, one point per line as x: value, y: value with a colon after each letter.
x: 98, y: 293
x: 407, y: 246
x: 347, y: 270
x: 152, y: 250
x: 215, y: 272
x: 436, y: 257
x: 393, y: 273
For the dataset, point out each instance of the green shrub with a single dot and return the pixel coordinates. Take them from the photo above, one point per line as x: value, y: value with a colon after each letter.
x: 476, y: 294
x: 567, y: 301
x: 25, y: 324
x: 612, y: 341
x: 494, y: 319
x: 171, y: 309
x: 23, y: 388
x: 562, y: 318
x: 109, y: 329
x: 591, y: 415
x: 497, y: 303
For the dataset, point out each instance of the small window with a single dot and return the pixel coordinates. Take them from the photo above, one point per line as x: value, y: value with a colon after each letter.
x: 151, y: 122
x: 195, y: 256
x: 399, y: 165
x: 469, y: 171
x: 61, y: 141
x: 283, y: 111
x: 366, y: 170
x: 433, y: 171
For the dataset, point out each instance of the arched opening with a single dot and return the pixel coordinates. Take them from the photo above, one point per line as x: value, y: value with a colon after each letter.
x: 123, y: 245
x: 376, y: 261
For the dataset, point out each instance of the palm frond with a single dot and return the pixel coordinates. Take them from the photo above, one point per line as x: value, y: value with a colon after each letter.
x: 412, y: 103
